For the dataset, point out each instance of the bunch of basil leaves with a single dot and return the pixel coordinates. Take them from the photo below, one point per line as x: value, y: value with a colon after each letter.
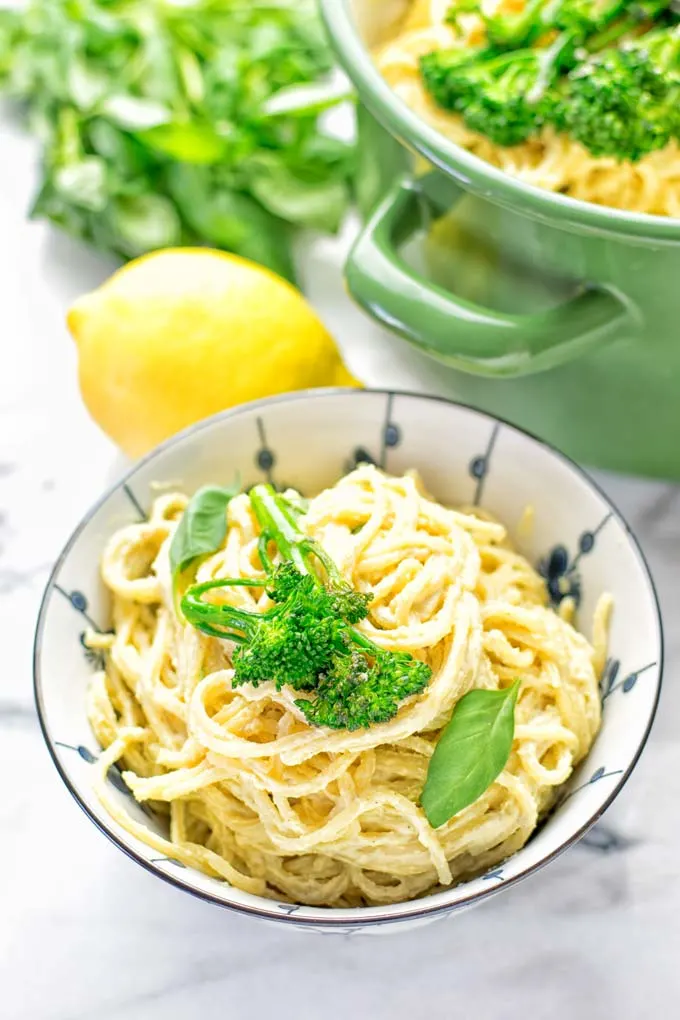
x: 175, y: 122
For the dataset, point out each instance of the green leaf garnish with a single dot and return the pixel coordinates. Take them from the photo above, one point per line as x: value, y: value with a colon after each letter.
x: 201, y: 530
x: 472, y: 751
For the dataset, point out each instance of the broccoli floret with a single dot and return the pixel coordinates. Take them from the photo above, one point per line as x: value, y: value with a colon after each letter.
x: 596, y: 26
x: 443, y: 73
x: 351, y: 605
x: 459, y: 7
x: 583, y: 17
x: 625, y: 102
x: 507, y: 97
x: 295, y: 640
x: 343, y: 600
x: 289, y: 643
x: 519, y: 29
x: 307, y: 639
x: 505, y: 30
x: 283, y: 581
x: 510, y: 31
x: 278, y: 519
x: 356, y: 693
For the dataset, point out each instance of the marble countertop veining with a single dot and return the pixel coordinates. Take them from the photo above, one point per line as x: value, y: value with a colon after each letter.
x: 85, y: 934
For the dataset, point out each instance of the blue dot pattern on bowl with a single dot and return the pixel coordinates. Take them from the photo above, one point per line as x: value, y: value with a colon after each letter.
x: 79, y: 602
x: 609, y: 681
x: 362, y: 456
x: 497, y: 873
x: 392, y: 435
x: 560, y: 572
x: 265, y: 458
x: 113, y: 775
x: 479, y: 466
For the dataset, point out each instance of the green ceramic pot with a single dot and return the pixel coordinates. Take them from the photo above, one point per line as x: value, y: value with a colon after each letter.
x: 561, y: 316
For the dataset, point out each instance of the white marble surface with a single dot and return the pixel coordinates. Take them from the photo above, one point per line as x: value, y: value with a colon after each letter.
x: 85, y: 933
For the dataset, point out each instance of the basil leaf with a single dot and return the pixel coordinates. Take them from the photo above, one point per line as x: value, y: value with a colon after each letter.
x: 230, y: 219
x: 10, y: 35
x: 86, y: 86
x: 133, y: 113
x: 472, y: 751
x: 310, y: 99
x: 190, y: 142
x: 201, y: 529
x: 83, y: 183
x: 144, y: 222
x: 318, y: 204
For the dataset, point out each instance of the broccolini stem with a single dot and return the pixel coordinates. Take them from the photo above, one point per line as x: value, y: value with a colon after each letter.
x: 550, y: 61
x: 263, y: 552
x: 223, y: 621
x: 613, y: 30
x: 278, y: 520
x: 365, y: 643
x: 239, y: 625
x: 278, y: 525
x: 621, y: 20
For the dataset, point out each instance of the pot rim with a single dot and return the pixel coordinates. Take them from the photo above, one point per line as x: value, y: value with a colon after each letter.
x: 473, y: 172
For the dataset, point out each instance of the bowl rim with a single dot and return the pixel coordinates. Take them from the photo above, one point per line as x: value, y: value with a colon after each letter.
x: 476, y: 174
x: 352, y: 918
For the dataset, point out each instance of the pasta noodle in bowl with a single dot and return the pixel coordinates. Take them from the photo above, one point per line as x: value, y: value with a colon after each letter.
x: 270, y: 808
x: 281, y: 808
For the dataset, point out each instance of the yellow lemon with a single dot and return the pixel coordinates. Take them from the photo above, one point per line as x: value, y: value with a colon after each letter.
x: 181, y: 334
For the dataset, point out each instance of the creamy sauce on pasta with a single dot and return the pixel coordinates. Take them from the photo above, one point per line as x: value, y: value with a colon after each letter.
x: 255, y: 795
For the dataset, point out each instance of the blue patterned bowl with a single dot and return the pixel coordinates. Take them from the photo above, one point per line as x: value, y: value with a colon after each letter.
x: 307, y: 440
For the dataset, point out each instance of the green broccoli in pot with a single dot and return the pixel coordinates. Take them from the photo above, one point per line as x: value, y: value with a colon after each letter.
x: 625, y: 102
x: 593, y: 70
x: 506, y: 96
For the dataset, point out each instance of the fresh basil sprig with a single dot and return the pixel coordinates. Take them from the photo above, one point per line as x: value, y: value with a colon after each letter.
x: 167, y: 124
x: 472, y: 751
x: 201, y: 529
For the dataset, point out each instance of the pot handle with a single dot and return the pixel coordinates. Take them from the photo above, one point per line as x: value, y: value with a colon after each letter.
x: 470, y: 337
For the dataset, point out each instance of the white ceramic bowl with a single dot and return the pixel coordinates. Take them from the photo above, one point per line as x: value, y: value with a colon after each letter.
x: 307, y: 440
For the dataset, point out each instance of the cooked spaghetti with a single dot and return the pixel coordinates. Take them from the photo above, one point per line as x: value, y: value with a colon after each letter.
x: 255, y: 795
x: 551, y: 160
